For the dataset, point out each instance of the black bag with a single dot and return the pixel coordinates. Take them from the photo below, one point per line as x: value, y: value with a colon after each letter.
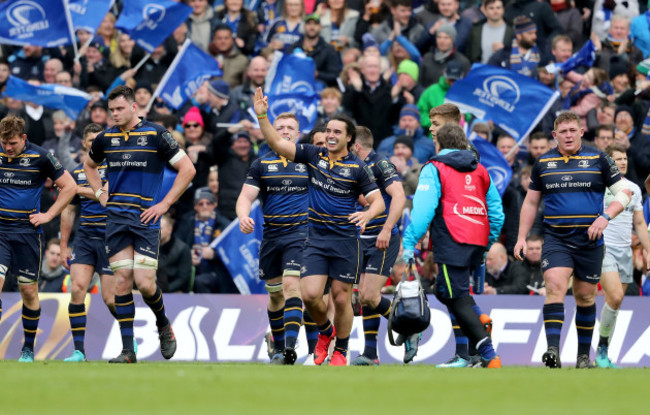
x: 410, y: 313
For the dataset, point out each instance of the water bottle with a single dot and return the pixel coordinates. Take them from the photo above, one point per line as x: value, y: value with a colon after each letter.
x: 479, y: 278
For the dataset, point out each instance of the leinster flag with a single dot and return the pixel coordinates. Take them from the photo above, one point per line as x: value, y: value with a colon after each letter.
x: 586, y: 56
x: 291, y: 87
x: 88, y: 14
x: 514, y: 102
x: 37, y: 23
x: 71, y: 100
x: 496, y: 165
x: 240, y: 253
x: 149, y: 22
x: 189, y: 70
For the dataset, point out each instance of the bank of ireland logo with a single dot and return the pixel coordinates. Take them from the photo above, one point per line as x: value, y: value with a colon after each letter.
x: 499, y: 91
x: 152, y: 15
x: 26, y: 17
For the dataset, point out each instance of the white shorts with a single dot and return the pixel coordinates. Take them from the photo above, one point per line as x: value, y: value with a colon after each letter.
x: 619, y: 259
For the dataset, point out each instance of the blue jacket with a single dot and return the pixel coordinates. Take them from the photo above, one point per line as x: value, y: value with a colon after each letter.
x: 423, y: 145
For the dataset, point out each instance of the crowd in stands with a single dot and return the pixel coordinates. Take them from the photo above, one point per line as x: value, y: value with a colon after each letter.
x: 385, y: 63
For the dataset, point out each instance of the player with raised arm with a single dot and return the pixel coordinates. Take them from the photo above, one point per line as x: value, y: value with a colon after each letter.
x: 136, y: 152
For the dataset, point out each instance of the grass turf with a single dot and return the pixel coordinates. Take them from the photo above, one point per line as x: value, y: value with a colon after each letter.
x: 54, y: 387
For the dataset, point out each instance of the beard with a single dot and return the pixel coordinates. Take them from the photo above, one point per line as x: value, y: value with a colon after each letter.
x: 526, y: 44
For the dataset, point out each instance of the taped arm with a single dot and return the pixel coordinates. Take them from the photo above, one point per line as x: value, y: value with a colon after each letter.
x: 496, y: 216
x: 425, y: 203
x: 622, y: 196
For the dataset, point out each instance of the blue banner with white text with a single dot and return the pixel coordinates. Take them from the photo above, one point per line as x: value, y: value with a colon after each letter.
x: 495, y: 163
x: 71, y: 100
x: 37, y: 23
x: 88, y: 14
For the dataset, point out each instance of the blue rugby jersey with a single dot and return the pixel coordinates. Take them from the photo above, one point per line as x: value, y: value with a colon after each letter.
x: 334, y: 187
x: 283, y: 189
x: 135, y: 160
x: 573, y: 188
x: 385, y: 175
x: 92, y: 218
x: 21, y: 184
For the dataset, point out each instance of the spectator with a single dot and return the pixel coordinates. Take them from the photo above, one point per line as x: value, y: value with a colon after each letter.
x: 408, y: 74
x: 143, y: 93
x: 96, y: 69
x: 4, y: 73
x: 435, y: 61
x: 540, y: 13
x: 490, y: 35
x: 407, y: 166
x: 62, y: 125
x: 231, y: 60
x: 242, y: 96
x: 401, y: 16
x: 604, y: 136
x: 499, y: 275
x: 222, y: 108
x: 52, y: 272
x: 288, y: 30
x: 50, y: 69
x: 241, y: 22
x: 28, y: 62
x: 522, y: 55
x: 338, y: 23
x: 590, y: 91
x: 435, y: 94
x: 196, y: 141
x: 120, y: 58
x: 570, y: 20
x: 605, y: 10
x: 409, y: 125
x: 201, y: 23
x: 175, y: 263
x: 155, y: 67
x: 62, y: 78
x: 330, y: 99
x: 531, y: 266
x: 617, y: 43
x: 38, y: 120
x: 107, y: 31
x: 448, y: 10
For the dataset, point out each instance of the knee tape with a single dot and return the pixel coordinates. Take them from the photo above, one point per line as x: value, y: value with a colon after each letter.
x: 121, y: 264
x: 144, y: 262
x: 273, y: 288
x: 291, y: 273
x: 3, y: 271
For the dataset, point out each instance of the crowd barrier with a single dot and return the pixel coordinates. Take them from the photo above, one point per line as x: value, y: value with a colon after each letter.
x: 231, y: 328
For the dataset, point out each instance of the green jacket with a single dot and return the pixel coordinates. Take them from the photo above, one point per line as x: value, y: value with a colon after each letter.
x: 431, y: 98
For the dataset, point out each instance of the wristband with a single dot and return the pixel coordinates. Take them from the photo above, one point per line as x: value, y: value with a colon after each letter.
x: 99, y: 192
x: 606, y: 216
x: 259, y: 117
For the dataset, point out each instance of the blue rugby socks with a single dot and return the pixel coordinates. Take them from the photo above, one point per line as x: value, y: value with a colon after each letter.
x: 585, y: 321
x: 276, y: 321
x: 77, y: 315
x: 553, y: 321
x: 125, y: 310
x: 311, y: 331
x: 30, y: 325
x: 155, y: 303
x: 292, y: 321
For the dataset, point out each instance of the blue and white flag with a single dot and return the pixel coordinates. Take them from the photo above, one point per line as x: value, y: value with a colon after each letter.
x: 586, y: 56
x: 495, y: 163
x: 514, y: 102
x: 88, y: 14
x: 239, y: 252
x: 71, y: 100
x: 37, y: 23
x: 291, y: 87
x: 149, y: 23
x: 189, y: 70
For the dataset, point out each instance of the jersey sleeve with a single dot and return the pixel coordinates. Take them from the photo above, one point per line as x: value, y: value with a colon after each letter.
x: 96, y: 152
x: 386, y: 173
x: 167, y: 146
x: 305, y: 153
x: 611, y: 173
x: 535, y: 179
x: 366, y: 180
x: 253, y: 177
x: 52, y: 167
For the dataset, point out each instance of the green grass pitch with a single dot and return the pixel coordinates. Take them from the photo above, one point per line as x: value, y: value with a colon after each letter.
x: 54, y: 387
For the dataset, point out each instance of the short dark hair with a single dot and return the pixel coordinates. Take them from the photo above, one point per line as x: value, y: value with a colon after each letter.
x: 222, y: 26
x: 534, y: 238
x: 452, y: 136
x: 350, y: 127
x: 122, y: 91
x: 53, y: 241
x: 365, y: 137
x: 12, y: 126
x: 488, y: 2
x: 539, y: 135
x: 566, y: 116
x: 614, y: 147
x: 405, y: 3
x: 321, y: 128
x: 449, y: 112
x: 604, y: 127
x: 92, y: 128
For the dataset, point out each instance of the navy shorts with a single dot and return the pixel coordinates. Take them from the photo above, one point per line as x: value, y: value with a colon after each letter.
x: 585, y: 262
x: 452, y: 281
x: 145, y: 241
x: 91, y: 251
x: 339, y: 259
x: 20, y: 253
x: 379, y: 262
x: 279, y: 255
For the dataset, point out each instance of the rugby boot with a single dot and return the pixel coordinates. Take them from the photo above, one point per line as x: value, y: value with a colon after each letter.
x: 476, y: 360
x: 270, y: 347
x: 584, y: 362
x: 26, y: 355
x: 455, y: 362
x: 290, y: 356
x: 277, y: 359
x: 309, y: 361
x: 411, y: 346
x: 338, y: 359
x: 602, y: 360
x: 494, y: 363
x: 127, y: 356
x: 322, y: 347
x: 77, y: 356
x: 362, y: 360
x: 551, y: 358
x: 167, y: 341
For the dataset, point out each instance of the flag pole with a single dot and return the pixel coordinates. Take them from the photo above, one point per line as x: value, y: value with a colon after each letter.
x: 73, y: 36
x: 169, y: 72
x: 142, y: 62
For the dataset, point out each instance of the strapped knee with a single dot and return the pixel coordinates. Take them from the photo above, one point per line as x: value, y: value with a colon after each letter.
x: 144, y: 262
x: 273, y: 288
x: 291, y: 273
x: 121, y: 264
x: 3, y: 272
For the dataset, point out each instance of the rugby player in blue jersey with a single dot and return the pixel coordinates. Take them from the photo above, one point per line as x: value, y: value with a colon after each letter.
x: 572, y: 180
x: 136, y: 152
x: 380, y: 244
x: 282, y: 185
x: 24, y: 167
x: 332, y: 250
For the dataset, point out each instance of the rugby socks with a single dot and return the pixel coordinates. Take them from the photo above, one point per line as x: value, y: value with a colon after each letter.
x: 462, y: 348
x: 553, y: 320
x: 607, y: 324
x: 371, y: 321
x: 341, y: 345
x: 326, y: 329
x: 155, y: 303
x: 485, y: 349
x: 311, y: 331
x: 292, y: 321
x: 30, y: 325
x: 585, y: 321
x: 276, y: 321
x: 111, y: 309
x: 383, y: 307
x: 125, y: 310
x: 77, y: 314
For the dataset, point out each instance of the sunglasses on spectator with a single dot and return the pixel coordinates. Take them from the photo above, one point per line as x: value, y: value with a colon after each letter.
x: 188, y: 125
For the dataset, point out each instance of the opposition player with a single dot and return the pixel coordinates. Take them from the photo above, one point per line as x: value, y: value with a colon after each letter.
x: 332, y: 250
x: 282, y: 185
x: 136, y: 152
x: 572, y: 180
x: 88, y: 254
x: 25, y: 167
x: 458, y: 201
x: 618, y: 267
x: 380, y: 245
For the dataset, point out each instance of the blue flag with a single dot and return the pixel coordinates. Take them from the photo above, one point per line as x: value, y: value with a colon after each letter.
x: 495, y: 163
x: 586, y: 56
x: 71, y: 100
x: 240, y: 253
x: 37, y: 23
x: 149, y: 23
x: 292, y: 88
x: 88, y: 14
x: 514, y: 102
x: 189, y: 70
